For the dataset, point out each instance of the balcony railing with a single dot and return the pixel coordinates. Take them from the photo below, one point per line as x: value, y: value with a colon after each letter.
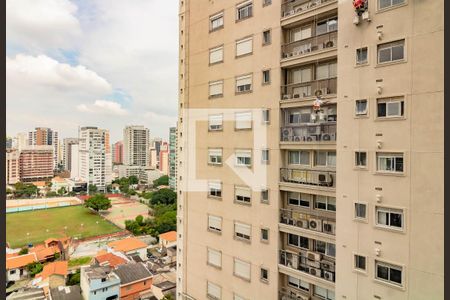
x: 285, y: 295
x: 290, y: 8
x: 310, y: 132
x: 307, y: 221
x: 309, y: 177
x: 310, y: 45
x: 311, y: 263
x: 308, y: 89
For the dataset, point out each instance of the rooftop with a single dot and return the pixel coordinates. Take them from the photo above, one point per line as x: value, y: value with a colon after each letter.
x: 110, y: 259
x: 97, y: 272
x: 20, y: 261
x: 165, y: 285
x: 170, y: 236
x: 132, y: 272
x: 66, y: 293
x: 128, y: 244
x: 54, y: 268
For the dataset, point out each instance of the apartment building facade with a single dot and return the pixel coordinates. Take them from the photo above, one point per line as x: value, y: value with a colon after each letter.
x: 36, y: 163
x: 135, y: 146
x: 173, y: 157
x: 12, y: 166
x: 95, y: 161
x: 68, y: 150
x: 339, y: 214
x: 117, y: 152
x: 43, y: 136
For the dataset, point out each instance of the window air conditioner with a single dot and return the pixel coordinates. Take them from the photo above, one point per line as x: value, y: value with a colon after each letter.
x: 313, y: 264
x: 313, y: 255
x: 315, y: 272
x: 327, y: 265
x: 287, y: 133
x: 325, y: 179
x: 329, y: 227
x: 311, y: 138
x: 296, y: 96
x: 328, y: 136
x: 285, y: 97
x: 297, y: 138
x: 328, y: 276
x: 315, y: 224
x: 302, y: 224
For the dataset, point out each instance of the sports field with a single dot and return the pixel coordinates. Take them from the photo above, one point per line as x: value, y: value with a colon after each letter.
x: 45, y: 223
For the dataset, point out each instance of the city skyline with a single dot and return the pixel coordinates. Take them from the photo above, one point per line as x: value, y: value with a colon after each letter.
x: 59, y: 76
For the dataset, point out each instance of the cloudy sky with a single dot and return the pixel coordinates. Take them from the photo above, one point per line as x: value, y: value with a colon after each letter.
x: 104, y: 63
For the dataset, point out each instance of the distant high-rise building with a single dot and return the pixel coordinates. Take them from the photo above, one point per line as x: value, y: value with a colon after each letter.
x: 164, y: 158
x: 135, y: 146
x: 69, y: 144
x: 95, y: 162
x: 22, y: 140
x: 12, y: 166
x: 117, y: 152
x: 9, y: 142
x: 173, y: 157
x: 43, y: 136
x: 36, y: 163
x: 153, y: 158
x: 75, y: 161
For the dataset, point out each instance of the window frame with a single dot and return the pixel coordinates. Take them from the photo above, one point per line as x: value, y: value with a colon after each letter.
x: 244, y: 4
x: 355, y: 215
x: 212, y: 116
x: 264, y: 82
x: 366, y: 111
x: 214, y: 17
x: 261, y: 277
x: 208, y: 262
x: 240, y: 77
x: 242, y: 237
x: 243, y: 262
x: 262, y: 239
x: 212, y: 83
x: 241, y: 114
x: 264, y: 42
x: 267, y: 160
x: 390, y: 266
x: 355, y: 263
x: 357, y: 158
x: 390, y: 210
x: 327, y: 165
x: 390, y: 45
x: 209, y: 190
x: 243, y: 40
x: 300, y: 200
x: 362, y: 63
x: 391, y: 6
x: 211, y: 163
x: 214, y: 49
x: 265, y: 113
x: 391, y: 100
x: 248, y: 152
x: 213, y: 229
x: 236, y: 187
x: 210, y: 296
x: 393, y: 156
x: 327, y: 204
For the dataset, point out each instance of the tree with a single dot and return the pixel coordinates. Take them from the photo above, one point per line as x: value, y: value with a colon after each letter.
x: 133, y: 180
x: 109, y: 188
x: 98, y: 202
x: 92, y: 189
x: 25, y: 190
x: 51, y: 194
x: 163, y: 180
x: 168, y: 297
x: 164, y: 196
x: 74, y: 279
x: 140, y: 220
x: 23, y: 251
x: 34, y: 268
x: 8, y: 191
x: 62, y: 191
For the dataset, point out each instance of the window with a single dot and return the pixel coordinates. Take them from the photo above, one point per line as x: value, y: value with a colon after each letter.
x: 360, y: 262
x: 361, y: 56
x: 298, y: 241
x: 243, y: 120
x: 390, y: 107
x: 265, y: 156
x: 264, y: 275
x: 215, y: 189
x: 215, y: 156
x: 300, y: 33
x: 242, y: 231
x: 243, y: 158
x: 244, y: 83
x: 299, y: 199
x: 266, y: 116
x: 325, y: 158
x: 360, y: 211
x: 325, y: 203
x: 325, y: 248
x: 267, y: 38
x: 389, y: 272
x: 389, y: 217
x: 361, y: 159
x: 266, y: 76
x: 237, y: 297
x: 327, y: 26
x: 216, y: 55
x: 328, y: 70
x: 216, y: 89
x: 242, y: 194
x: 244, y: 46
x: 264, y: 234
x: 323, y: 293
x: 242, y: 269
x: 390, y: 162
x: 214, y: 291
x: 244, y: 10
x: 214, y: 258
x: 299, y: 158
x: 265, y: 196
x: 361, y: 107
x: 297, y: 283
x: 215, y: 223
x: 301, y: 75
x: 215, y: 122
x: 299, y: 116
x: 216, y: 22
x: 382, y: 4
x: 391, y: 52
x: 267, y: 2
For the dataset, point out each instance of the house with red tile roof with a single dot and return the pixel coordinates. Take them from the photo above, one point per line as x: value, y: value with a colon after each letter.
x: 168, y: 239
x: 109, y: 259
x: 53, y: 275
x: 130, y: 246
x: 16, y: 266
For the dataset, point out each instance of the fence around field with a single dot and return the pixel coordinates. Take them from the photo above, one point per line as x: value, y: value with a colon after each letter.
x: 20, y: 205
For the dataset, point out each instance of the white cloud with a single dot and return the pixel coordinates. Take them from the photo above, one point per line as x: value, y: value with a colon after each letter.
x: 42, y: 70
x: 103, y: 107
x: 42, y: 24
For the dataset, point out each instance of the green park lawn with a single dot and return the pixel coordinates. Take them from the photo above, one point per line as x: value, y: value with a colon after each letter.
x: 42, y: 224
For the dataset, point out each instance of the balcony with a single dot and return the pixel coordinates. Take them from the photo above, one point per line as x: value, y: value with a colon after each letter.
x: 296, y: 7
x: 310, y: 132
x: 305, y: 90
x: 310, y: 263
x: 285, y: 294
x: 308, y: 177
x: 306, y: 221
x: 308, y: 46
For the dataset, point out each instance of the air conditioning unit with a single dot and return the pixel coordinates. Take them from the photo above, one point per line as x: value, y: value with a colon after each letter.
x: 311, y: 138
x: 325, y: 179
x: 314, y: 129
x: 297, y: 138
x: 328, y: 276
x: 327, y: 265
x: 329, y: 227
x: 328, y: 136
x: 287, y: 133
x: 302, y: 224
x: 322, y: 116
x: 315, y: 224
x: 296, y: 96
x: 313, y: 256
x: 329, y: 44
x: 315, y: 272
x: 331, y: 118
x: 313, y: 264
x: 302, y: 297
x: 286, y: 97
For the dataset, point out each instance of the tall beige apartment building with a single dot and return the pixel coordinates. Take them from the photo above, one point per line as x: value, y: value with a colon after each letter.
x: 310, y: 150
